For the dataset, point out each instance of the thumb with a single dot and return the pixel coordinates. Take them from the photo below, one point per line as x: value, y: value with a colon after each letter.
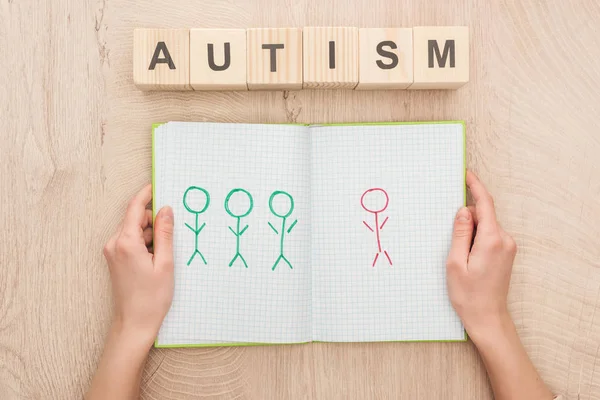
x: 462, y: 236
x: 163, y: 239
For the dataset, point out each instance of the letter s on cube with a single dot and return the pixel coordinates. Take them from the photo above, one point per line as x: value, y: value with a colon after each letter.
x: 385, y: 58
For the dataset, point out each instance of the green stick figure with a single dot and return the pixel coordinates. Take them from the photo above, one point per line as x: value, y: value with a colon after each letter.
x: 196, y: 229
x: 237, y: 232
x: 283, y: 219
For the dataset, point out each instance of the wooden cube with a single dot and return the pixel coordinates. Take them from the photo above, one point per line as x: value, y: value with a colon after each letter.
x: 386, y: 58
x: 274, y: 60
x: 161, y: 59
x: 330, y: 57
x: 218, y: 59
x: 441, y: 57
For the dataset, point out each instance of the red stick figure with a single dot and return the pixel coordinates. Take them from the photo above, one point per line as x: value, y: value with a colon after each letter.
x: 372, y: 192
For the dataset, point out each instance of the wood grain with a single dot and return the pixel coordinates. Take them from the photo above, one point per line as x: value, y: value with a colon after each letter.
x: 228, y: 56
x: 76, y: 146
x: 376, y: 67
x: 274, y: 68
x: 445, y: 66
x: 330, y: 57
x: 161, y: 59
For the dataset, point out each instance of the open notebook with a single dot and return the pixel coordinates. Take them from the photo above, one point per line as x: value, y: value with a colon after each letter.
x: 289, y: 233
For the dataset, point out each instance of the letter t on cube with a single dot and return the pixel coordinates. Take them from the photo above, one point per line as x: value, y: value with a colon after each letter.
x: 274, y: 58
x: 218, y: 59
x: 441, y: 57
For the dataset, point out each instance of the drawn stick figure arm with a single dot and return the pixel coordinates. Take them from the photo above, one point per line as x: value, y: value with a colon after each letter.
x: 243, y: 230
x: 192, y: 229
x: 232, y: 231
x: 367, y: 225
x: 272, y: 227
x: 383, y: 223
x: 202, y: 227
x: 292, y: 225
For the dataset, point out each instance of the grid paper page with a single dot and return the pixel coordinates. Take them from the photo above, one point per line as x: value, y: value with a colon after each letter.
x: 215, y: 302
x: 419, y: 171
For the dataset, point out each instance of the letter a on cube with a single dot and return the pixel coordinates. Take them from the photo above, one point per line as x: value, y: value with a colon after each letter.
x: 161, y: 59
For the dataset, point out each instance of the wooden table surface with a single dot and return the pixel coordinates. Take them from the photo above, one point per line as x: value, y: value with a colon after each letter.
x: 76, y: 146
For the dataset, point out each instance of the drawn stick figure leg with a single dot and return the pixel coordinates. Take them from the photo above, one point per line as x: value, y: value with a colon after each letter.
x: 277, y: 262
x: 388, y: 257
x: 191, y: 258
x: 287, y: 261
x: 375, y: 260
x: 243, y: 259
x: 236, y: 257
x: 233, y: 259
x: 194, y: 255
x: 203, y: 259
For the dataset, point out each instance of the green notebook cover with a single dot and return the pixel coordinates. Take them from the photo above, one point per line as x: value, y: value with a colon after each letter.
x: 156, y: 125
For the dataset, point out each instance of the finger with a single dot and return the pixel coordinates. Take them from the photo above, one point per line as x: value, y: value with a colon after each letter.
x: 510, y: 245
x: 163, y: 239
x: 109, y: 247
x: 147, y: 236
x: 484, y: 203
x: 462, y: 234
x: 147, y: 219
x: 135, y: 217
x: 473, y: 213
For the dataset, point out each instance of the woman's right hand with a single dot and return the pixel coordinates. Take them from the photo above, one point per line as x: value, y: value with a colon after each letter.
x: 479, y: 270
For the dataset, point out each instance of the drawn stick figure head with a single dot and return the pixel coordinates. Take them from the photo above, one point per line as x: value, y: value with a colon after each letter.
x: 196, y: 199
x: 374, y: 200
x: 235, y: 198
x: 279, y: 196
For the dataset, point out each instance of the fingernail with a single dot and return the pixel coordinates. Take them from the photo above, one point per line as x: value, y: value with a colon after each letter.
x: 167, y: 214
x: 463, y: 215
